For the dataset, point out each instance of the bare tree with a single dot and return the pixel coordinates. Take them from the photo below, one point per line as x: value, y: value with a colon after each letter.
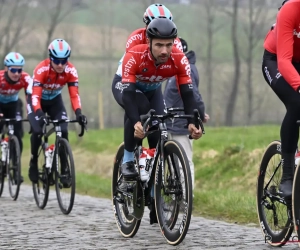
x: 14, y: 29
x: 257, y: 18
x: 230, y: 107
x: 210, y: 12
x: 57, y: 10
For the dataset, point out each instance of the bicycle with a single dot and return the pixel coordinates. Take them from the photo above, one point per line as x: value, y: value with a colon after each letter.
x: 277, y: 216
x: 169, y: 189
x: 61, y: 166
x: 10, y: 164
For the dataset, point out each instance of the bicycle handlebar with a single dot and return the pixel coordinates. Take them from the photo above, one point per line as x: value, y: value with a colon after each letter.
x: 171, y: 113
x: 12, y: 119
x: 58, y: 121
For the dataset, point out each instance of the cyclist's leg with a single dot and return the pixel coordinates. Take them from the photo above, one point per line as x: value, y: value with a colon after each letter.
x: 289, y: 131
x: 35, y: 141
x: 117, y: 89
x: 158, y: 104
x: 128, y: 168
x: 19, y: 116
x: 57, y: 111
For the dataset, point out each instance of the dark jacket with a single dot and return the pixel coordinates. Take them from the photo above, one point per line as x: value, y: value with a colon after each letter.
x: 173, y: 98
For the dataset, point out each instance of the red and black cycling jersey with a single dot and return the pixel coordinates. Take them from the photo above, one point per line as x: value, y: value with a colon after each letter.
x: 9, y: 92
x: 140, y: 73
x: 47, y: 84
x: 284, y: 41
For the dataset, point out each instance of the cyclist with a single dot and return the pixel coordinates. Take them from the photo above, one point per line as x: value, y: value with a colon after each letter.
x: 281, y: 68
x: 139, y: 37
x: 176, y: 127
x: 44, y: 96
x: 12, y: 80
x: 144, y: 69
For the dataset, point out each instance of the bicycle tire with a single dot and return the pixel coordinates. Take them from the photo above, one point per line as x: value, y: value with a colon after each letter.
x: 275, y: 234
x: 69, y: 175
x: 127, y: 225
x: 43, y: 182
x: 296, y: 201
x: 2, y: 177
x: 180, y: 196
x: 14, y: 172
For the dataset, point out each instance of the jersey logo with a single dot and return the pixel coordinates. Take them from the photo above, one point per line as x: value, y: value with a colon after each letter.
x: 133, y: 38
x: 128, y: 66
x: 152, y: 78
x: 42, y: 69
x: 165, y: 67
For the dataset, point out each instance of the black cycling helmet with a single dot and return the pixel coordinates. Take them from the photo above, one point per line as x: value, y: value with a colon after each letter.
x: 162, y: 28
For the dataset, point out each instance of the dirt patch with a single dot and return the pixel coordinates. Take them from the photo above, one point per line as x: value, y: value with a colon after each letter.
x: 209, y: 154
x: 93, y: 163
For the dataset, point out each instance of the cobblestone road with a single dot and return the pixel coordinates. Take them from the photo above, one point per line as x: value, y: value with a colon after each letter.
x: 91, y: 225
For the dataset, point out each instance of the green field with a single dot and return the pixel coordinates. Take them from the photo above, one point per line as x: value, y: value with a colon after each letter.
x: 226, y: 164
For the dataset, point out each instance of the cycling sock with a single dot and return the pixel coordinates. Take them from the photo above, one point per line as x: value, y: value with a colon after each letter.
x: 288, y: 165
x: 128, y: 156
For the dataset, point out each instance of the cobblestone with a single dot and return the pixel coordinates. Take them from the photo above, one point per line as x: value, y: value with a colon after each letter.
x: 91, y: 225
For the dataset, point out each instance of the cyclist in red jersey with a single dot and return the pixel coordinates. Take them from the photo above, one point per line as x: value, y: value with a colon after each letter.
x: 281, y: 68
x: 12, y: 80
x: 139, y: 37
x: 145, y: 67
x: 49, y: 78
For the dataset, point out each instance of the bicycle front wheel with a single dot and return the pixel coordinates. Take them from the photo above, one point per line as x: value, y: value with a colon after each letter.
x: 273, y: 211
x: 13, y: 167
x: 296, y: 201
x: 122, y: 204
x: 64, y: 176
x: 41, y: 188
x: 173, y: 193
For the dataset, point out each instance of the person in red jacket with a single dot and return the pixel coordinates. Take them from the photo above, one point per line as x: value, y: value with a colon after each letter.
x: 44, y: 96
x: 281, y: 68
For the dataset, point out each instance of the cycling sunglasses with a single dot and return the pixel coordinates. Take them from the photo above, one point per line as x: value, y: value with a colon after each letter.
x: 59, y: 61
x: 15, y: 70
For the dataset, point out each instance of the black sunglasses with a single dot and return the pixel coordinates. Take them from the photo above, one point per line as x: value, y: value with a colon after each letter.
x: 15, y: 70
x: 59, y: 61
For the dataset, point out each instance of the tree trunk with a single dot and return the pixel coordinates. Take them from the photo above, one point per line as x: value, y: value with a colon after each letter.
x: 230, y: 108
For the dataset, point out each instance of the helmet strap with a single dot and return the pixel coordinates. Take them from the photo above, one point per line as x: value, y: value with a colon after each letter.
x: 155, y: 60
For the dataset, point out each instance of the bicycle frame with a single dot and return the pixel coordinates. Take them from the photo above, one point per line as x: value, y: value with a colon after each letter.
x: 58, y: 134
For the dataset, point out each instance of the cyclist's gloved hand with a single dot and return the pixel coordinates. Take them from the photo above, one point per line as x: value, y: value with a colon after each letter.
x: 80, y: 117
x: 41, y: 117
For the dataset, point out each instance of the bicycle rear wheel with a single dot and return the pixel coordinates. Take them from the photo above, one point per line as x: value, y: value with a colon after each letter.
x: 173, y: 193
x: 41, y: 188
x: 123, y: 205
x: 273, y: 212
x: 64, y: 176
x: 13, y: 167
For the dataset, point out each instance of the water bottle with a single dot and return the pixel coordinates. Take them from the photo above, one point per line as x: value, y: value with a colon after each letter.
x: 146, y: 163
x: 4, y: 144
x: 49, y: 156
x: 142, y: 165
